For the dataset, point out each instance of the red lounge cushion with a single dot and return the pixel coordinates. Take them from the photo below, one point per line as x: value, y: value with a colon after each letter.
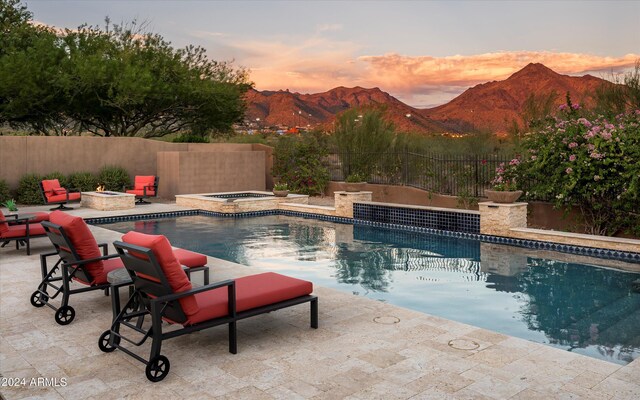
x: 73, y: 196
x: 49, y: 186
x: 21, y: 231
x: 39, y: 217
x: 140, y: 182
x: 170, y: 266
x: 109, y: 265
x: 82, y: 240
x: 4, y: 226
x: 189, y: 258
x: 251, y: 292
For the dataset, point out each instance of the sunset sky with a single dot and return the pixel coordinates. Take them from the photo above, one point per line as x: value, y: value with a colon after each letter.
x: 422, y: 52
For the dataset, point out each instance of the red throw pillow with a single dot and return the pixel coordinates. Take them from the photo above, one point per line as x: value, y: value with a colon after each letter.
x: 82, y: 240
x: 172, y: 269
x: 49, y: 185
x: 60, y: 191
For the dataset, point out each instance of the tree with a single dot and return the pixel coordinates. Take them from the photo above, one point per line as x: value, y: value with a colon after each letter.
x: 30, y: 94
x: 361, y: 137
x: 116, y: 81
x: 621, y: 95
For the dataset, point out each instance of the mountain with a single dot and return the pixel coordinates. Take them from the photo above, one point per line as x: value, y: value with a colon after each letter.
x: 295, y: 109
x: 494, y: 105
x: 491, y: 106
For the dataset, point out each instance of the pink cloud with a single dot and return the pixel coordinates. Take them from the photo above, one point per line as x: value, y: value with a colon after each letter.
x: 421, y: 80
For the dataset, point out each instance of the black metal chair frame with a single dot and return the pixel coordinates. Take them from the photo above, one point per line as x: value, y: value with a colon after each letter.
x: 141, y: 199
x: 156, y: 299
x: 70, y: 266
x: 26, y: 239
x: 61, y: 204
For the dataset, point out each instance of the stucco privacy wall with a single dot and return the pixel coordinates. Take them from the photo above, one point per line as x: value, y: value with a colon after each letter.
x: 206, y: 172
x: 20, y: 155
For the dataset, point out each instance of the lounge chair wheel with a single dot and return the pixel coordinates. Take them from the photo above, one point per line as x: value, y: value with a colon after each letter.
x: 39, y: 299
x: 157, y: 368
x: 103, y: 342
x: 65, y: 315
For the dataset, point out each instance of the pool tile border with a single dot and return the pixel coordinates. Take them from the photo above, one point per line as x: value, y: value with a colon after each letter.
x: 525, y: 243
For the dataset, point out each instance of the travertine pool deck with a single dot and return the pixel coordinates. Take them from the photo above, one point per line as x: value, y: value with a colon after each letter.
x: 357, y: 353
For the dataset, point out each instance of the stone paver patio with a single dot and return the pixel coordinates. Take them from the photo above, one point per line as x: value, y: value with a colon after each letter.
x: 363, y: 350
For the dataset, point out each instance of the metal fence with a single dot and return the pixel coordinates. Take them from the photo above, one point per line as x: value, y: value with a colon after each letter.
x: 444, y: 174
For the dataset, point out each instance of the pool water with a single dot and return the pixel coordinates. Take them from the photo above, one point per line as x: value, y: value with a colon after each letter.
x: 581, y: 308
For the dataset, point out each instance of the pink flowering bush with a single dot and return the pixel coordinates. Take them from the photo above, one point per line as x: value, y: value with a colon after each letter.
x: 506, y: 174
x: 591, y: 163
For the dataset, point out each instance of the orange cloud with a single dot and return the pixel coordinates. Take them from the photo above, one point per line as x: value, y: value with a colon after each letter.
x: 404, y: 72
x: 320, y: 65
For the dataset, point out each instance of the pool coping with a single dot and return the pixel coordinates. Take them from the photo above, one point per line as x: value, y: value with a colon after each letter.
x: 599, y: 253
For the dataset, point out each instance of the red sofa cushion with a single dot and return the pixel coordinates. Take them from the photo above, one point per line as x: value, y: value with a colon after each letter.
x: 73, y: 196
x: 15, y: 231
x: 139, y: 192
x: 35, y: 229
x: 163, y: 252
x: 189, y: 258
x: 39, y: 217
x: 108, y: 266
x: 82, y: 240
x: 142, y: 181
x: 251, y: 292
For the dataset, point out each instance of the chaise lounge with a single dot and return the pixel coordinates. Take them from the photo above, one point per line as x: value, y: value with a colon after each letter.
x: 165, y: 294
x: 21, y: 230
x: 80, y: 260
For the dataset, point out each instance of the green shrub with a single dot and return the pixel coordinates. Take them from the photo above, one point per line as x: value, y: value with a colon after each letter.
x: 355, y: 178
x: 83, y: 181
x: 114, y: 178
x: 590, y: 163
x: 297, y: 162
x: 5, y: 193
x: 29, y: 190
x: 11, y: 205
x: 191, y: 138
x: 59, y: 176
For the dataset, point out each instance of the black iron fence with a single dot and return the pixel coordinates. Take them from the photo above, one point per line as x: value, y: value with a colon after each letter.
x: 444, y: 174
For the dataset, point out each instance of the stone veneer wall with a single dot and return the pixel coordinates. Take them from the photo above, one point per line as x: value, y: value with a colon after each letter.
x: 498, y: 219
x: 510, y: 220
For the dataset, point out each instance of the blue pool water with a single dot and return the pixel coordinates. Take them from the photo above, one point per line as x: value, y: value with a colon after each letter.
x: 585, y: 309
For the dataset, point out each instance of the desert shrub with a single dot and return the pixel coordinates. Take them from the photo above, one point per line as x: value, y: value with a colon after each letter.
x: 62, y: 179
x: 297, y: 162
x: 113, y: 177
x: 83, y: 181
x: 190, y: 138
x: 5, y: 193
x: 361, y: 138
x: 588, y: 162
x: 29, y: 190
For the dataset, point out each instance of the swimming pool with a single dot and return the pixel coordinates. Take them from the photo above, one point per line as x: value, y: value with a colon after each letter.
x: 581, y: 308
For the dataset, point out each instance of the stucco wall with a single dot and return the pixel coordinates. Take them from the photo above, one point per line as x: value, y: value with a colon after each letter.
x: 20, y: 155
x: 206, y: 172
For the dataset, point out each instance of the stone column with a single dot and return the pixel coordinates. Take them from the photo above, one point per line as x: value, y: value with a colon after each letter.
x: 498, y: 218
x: 344, y: 202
